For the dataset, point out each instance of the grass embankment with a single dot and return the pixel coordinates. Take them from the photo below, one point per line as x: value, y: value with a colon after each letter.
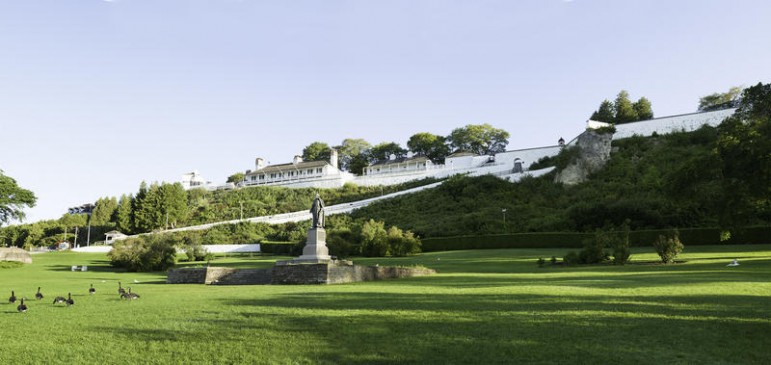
x: 488, y: 306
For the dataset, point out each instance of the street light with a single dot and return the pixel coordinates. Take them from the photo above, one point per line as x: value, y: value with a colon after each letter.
x: 503, y: 210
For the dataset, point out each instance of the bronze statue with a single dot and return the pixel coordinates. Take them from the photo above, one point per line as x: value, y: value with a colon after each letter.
x: 317, y: 210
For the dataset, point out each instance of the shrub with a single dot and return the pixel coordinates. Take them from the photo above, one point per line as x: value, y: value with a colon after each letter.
x: 374, y: 239
x: 620, y: 245
x: 594, y: 248
x: 144, y: 253
x: 571, y: 258
x: 194, y: 249
x: 668, y: 246
x: 402, y: 243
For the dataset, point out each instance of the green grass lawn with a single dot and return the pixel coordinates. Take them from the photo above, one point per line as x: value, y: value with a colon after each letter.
x: 484, y: 306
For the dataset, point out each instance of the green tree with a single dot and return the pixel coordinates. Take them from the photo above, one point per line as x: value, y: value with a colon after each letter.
x: 123, y: 214
x: 374, y: 239
x: 432, y: 146
x: 605, y: 113
x: 624, y: 110
x: 103, y: 211
x: 744, y: 150
x: 643, y: 109
x: 13, y: 199
x: 352, y: 154
x: 172, y: 204
x: 317, y: 151
x: 482, y: 139
x: 236, y: 178
x: 719, y: 101
x: 383, y: 151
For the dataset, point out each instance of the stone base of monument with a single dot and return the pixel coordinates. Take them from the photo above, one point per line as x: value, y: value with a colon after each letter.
x: 338, y: 272
x: 315, y: 250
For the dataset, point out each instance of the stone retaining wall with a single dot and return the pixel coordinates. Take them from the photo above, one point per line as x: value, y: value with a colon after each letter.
x: 338, y: 273
x: 325, y: 273
x: 219, y: 276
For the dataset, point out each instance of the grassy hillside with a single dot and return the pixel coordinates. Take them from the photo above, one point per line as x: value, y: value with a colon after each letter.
x: 648, y: 181
x: 488, y: 306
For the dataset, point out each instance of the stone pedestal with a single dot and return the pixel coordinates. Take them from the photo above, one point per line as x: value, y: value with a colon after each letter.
x: 315, y: 250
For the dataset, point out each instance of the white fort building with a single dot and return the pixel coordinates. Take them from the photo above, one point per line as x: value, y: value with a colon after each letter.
x: 510, y: 165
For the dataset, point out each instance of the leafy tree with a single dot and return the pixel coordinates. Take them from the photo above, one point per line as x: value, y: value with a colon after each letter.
x: 352, y: 154
x: 236, y: 178
x: 432, y: 146
x: 374, y: 239
x: 744, y: 149
x: 13, y: 199
x: 625, y: 111
x: 317, y: 151
x: 719, y: 101
x: 481, y: 139
x: 383, y: 151
x: 643, y: 109
x: 605, y: 113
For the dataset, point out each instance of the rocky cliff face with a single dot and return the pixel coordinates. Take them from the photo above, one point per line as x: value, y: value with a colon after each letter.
x: 593, y: 154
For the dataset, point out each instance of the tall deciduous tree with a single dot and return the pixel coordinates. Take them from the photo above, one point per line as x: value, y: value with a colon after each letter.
x: 718, y: 101
x: 432, y: 146
x: 383, y: 151
x: 352, y: 154
x: 482, y: 139
x: 316, y: 151
x: 13, y: 199
x: 643, y: 109
x: 605, y: 113
x: 624, y: 109
x: 744, y: 148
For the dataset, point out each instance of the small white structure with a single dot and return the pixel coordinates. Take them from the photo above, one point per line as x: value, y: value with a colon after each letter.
x: 735, y: 262
x: 112, y: 236
x: 193, y: 180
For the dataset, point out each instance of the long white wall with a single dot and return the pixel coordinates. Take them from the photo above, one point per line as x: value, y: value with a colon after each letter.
x: 675, y: 123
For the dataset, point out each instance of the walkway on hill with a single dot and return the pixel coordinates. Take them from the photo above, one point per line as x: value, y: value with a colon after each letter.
x: 301, y: 215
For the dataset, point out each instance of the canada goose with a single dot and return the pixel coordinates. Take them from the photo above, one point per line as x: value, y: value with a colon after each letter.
x: 12, y: 299
x: 58, y: 300
x: 69, y: 299
x: 120, y: 289
x: 38, y: 295
x: 91, y: 290
x: 22, y: 307
x: 131, y: 296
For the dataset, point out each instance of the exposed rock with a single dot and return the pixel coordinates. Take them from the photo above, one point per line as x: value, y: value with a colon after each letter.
x: 593, y: 153
x: 15, y: 254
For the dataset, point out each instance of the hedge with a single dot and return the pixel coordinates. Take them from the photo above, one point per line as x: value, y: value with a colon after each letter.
x: 643, y: 238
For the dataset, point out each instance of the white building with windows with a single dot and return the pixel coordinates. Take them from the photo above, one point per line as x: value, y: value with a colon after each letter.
x: 298, y: 174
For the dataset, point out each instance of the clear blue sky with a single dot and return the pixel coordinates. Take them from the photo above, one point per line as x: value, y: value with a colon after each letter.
x: 96, y: 96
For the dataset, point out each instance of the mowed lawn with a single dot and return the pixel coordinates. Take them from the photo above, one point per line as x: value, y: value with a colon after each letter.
x: 484, y: 306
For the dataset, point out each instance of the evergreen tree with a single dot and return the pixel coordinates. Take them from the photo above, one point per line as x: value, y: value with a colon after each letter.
x: 123, y: 214
x: 605, y: 113
x: 103, y: 211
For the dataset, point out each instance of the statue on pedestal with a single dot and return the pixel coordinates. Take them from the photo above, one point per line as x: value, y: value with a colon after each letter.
x: 317, y: 211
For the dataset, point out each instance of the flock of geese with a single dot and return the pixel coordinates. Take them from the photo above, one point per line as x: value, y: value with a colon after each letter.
x: 22, y: 308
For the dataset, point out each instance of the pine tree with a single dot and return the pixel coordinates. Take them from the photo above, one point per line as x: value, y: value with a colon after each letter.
x: 644, y: 109
x: 624, y: 109
x: 605, y: 113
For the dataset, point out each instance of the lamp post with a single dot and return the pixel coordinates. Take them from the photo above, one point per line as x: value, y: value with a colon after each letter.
x: 503, y: 210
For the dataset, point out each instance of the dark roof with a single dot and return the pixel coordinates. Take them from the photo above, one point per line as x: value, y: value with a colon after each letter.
x: 286, y: 167
x: 417, y: 159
